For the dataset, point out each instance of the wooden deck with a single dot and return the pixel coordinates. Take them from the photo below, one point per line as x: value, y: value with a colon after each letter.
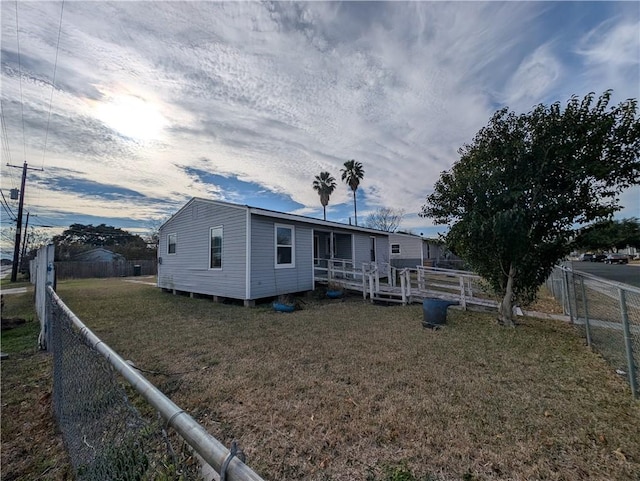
x: 384, y: 283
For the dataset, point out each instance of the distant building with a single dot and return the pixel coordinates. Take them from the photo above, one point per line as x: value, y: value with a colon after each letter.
x: 410, y: 250
x: 99, y: 254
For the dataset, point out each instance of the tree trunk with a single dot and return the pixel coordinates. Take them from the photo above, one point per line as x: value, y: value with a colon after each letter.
x: 505, y: 309
x: 324, y: 211
x: 355, y: 210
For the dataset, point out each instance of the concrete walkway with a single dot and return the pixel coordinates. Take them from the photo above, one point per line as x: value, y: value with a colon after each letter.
x: 15, y: 290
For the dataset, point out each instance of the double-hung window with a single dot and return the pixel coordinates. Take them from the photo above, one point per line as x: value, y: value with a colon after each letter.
x: 395, y: 248
x: 285, y: 242
x: 172, y: 240
x: 215, y: 248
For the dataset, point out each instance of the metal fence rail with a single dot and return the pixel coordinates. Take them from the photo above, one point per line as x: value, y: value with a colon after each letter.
x: 106, y: 436
x: 608, y: 315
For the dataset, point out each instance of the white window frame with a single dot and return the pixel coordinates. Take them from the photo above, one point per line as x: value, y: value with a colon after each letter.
x: 395, y: 253
x: 169, y: 243
x: 211, y: 229
x: 292, y: 246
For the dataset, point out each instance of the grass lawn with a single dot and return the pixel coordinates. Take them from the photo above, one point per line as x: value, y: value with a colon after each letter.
x: 31, y: 447
x: 354, y: 391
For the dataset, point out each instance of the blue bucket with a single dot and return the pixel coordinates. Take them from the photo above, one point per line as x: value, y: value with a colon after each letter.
x: 435, y: 311
x: 279, y: 307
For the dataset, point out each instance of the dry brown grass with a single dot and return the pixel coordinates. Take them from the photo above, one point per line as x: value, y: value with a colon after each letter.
x: 350, y: 390
x: 31, y: 446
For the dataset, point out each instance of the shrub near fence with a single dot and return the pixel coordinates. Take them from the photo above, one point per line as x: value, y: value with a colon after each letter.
x: 608, y: 315
x: 85, y: 270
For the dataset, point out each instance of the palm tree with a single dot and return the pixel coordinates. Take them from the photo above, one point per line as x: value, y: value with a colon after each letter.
x: 352, y: 174
x: 324, y: 184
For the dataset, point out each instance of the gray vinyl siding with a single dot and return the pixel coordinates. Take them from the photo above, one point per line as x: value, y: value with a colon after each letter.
x: 188, y: 269
x: 362, y: 253
x: 410, y: 251
x: 362, y: 248
x: 382, y: 248
x: 266, y: 280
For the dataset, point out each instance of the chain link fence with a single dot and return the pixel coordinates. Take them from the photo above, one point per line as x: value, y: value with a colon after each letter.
x: 608, y: 315
x: 110, y: 439
x: 106, y: 437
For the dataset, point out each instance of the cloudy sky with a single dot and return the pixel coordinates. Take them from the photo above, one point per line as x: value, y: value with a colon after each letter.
x: 132, y: 108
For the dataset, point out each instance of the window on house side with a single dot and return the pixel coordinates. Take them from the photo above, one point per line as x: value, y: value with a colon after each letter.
x: 285, y: 246
x: 215, y: 248
x: 172, y: 240
x: 395, y: 248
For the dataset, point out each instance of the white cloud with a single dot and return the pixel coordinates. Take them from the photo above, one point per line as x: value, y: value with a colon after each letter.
x: 536, y: 75
x: 274, y: 93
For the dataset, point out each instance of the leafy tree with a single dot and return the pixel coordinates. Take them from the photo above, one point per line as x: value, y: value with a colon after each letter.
x: 609, y: 235
x: 324, y: 184
x: 516, y: 191
x: 385, y: 218
x: 352, y: 174
x: 79, y: 238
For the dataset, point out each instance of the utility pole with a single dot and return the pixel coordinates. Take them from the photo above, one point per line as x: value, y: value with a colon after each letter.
x: 16, y: 247
x: 26, y: 238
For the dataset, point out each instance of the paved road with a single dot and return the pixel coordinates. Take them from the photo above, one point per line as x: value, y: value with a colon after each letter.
x: 618, y: 273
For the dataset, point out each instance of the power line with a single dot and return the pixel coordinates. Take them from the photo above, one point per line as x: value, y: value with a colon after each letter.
x: 5, y: 204
x: 24, y: 138
x: 5, y: 136
x: 53, y: 83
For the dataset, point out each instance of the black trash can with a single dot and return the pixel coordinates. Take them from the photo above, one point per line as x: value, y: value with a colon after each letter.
x: 137, y: 270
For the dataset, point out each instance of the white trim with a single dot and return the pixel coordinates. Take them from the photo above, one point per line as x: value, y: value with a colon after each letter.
x: 221, y: 227
x: 375, y: 249
x: 353, y: 252
x: 293, y: 246
x: 314, y: 238
x: 247, y: 281
x: 175, y: 243
x: 313, y: 256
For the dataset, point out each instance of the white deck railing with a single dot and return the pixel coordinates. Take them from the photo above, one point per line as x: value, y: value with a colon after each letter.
x: 380, y: 281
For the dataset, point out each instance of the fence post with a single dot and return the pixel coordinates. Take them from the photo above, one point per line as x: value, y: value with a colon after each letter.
x: 364, y: 283
x: 586, y: 312
x: 628, y: 344
x: 371, y: 286
x: 402, y: 288
x: 408, y: 286
x: 463, y: 301
x: 565, y: 296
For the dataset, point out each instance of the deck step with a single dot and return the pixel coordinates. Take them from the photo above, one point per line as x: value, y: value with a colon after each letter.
x: 387, y: 299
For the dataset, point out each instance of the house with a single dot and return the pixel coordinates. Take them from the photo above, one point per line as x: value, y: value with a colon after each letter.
x: 99, y: 254
x: 237, y: 251
x: 410, y: 250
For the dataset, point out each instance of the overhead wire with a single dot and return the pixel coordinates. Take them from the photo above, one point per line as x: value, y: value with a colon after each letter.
x: 5, y: 135
x: 7, y: 208
x: 24, y: 138
x: 53, y: 83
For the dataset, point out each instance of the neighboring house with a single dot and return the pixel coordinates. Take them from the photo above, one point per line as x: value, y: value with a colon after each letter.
x: 98, y: 254
x: 410, y: 250
x: 242, y: 252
